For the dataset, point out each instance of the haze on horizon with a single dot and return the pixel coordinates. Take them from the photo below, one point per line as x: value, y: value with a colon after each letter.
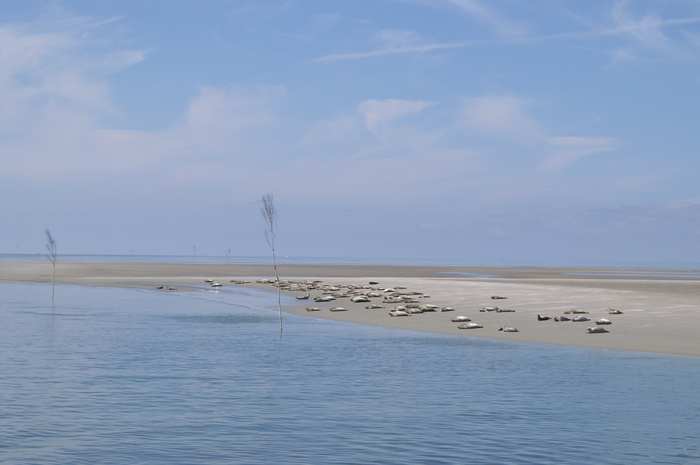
x: 459, y: 129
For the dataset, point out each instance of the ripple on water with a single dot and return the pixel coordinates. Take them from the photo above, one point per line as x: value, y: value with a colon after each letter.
x: 125, y: 376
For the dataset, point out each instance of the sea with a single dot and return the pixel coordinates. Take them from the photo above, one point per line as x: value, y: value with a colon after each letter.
x: 137, y: 376
x: 583, y: 265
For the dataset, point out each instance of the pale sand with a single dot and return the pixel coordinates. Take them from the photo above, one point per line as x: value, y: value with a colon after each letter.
x: 661, y: 308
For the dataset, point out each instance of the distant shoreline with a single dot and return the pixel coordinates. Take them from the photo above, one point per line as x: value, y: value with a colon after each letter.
x: 344, y: 261
x: 661, y: 308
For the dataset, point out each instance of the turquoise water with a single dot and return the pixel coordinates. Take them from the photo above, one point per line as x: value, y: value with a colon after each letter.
x: 119, y: 376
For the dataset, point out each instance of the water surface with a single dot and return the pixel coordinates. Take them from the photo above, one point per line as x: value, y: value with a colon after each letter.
x: 124, y: 376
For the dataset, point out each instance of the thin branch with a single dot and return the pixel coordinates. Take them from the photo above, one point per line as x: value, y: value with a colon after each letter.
x: 269, y: 214
x: 52, y: 256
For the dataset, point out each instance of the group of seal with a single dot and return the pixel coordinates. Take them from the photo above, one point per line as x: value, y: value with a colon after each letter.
x: 580, y: 316
x: 402, y: 302
x: 406, y: 303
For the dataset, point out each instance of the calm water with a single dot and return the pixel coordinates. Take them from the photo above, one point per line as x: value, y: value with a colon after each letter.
x: 113, y: 376
x: 267, y: 260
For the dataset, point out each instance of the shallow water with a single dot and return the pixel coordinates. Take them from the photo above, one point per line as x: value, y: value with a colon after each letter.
x: 112, y: 376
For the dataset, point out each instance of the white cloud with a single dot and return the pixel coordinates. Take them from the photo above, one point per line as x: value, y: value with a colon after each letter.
x: 35, y: 73
x: 567, y: 150
x: 57, y: 64
x: 501, y: 114
x: 217, y: 117
x: 72, y: 145
x: 123, y: 59
x: 54, y: 84
x: 56, y: 96
x: 377, y: 113
x: 405, y: 143
x: 23, y: 52
x: 227, y: 132
x: 377, y: 152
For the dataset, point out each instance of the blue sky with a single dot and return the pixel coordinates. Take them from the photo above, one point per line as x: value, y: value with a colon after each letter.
x: 504, y: 131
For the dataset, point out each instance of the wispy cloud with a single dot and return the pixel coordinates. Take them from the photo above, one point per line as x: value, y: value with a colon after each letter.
x: 375, y: 128
x: 638, y: 35
x: 494, y: 19
x: 53, y: 67
x: 501, y: 114
x: 642, y: 34
x: 221, y: 127
x: 395, y: 51
x: 376, y: 113
x: 507, y: 117
x: 567, y: 150
x: 57, y: 98
x: 646, y: 31
x: 381, y: 138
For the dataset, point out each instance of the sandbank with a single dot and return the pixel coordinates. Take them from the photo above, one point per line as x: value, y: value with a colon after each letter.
x: 660, y: 308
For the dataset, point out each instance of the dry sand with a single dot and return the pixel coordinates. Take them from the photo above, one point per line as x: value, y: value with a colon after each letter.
x: 661, y: 309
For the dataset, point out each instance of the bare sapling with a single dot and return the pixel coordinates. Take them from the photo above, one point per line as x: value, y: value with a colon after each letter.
x: 270, y: 215
x: 52, y: 256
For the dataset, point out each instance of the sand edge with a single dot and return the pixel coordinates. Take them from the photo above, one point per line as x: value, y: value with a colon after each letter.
x: 661, y: 308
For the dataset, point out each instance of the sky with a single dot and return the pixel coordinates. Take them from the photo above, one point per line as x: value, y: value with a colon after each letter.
x: 510, y: 132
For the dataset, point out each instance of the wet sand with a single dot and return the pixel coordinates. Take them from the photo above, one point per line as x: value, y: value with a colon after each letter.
x: 660, y: 308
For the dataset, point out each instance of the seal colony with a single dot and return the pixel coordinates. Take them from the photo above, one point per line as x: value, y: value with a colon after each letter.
x: 647, y: 310
x: 607, y: 312
x: 405, y: 302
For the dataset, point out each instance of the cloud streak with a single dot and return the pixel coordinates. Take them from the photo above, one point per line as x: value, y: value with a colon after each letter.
x: 567, y: 150
x: 644, y: 34
x: 485, y: 14
x: 499, y: 23
x: 426, y: 48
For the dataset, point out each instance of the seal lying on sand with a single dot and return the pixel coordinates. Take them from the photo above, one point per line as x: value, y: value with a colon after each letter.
x: 508, y: 329
x: 597, y: 329
x: 469, y: 326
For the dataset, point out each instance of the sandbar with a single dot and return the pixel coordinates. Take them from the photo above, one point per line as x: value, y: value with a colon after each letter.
x: 660, y: 309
